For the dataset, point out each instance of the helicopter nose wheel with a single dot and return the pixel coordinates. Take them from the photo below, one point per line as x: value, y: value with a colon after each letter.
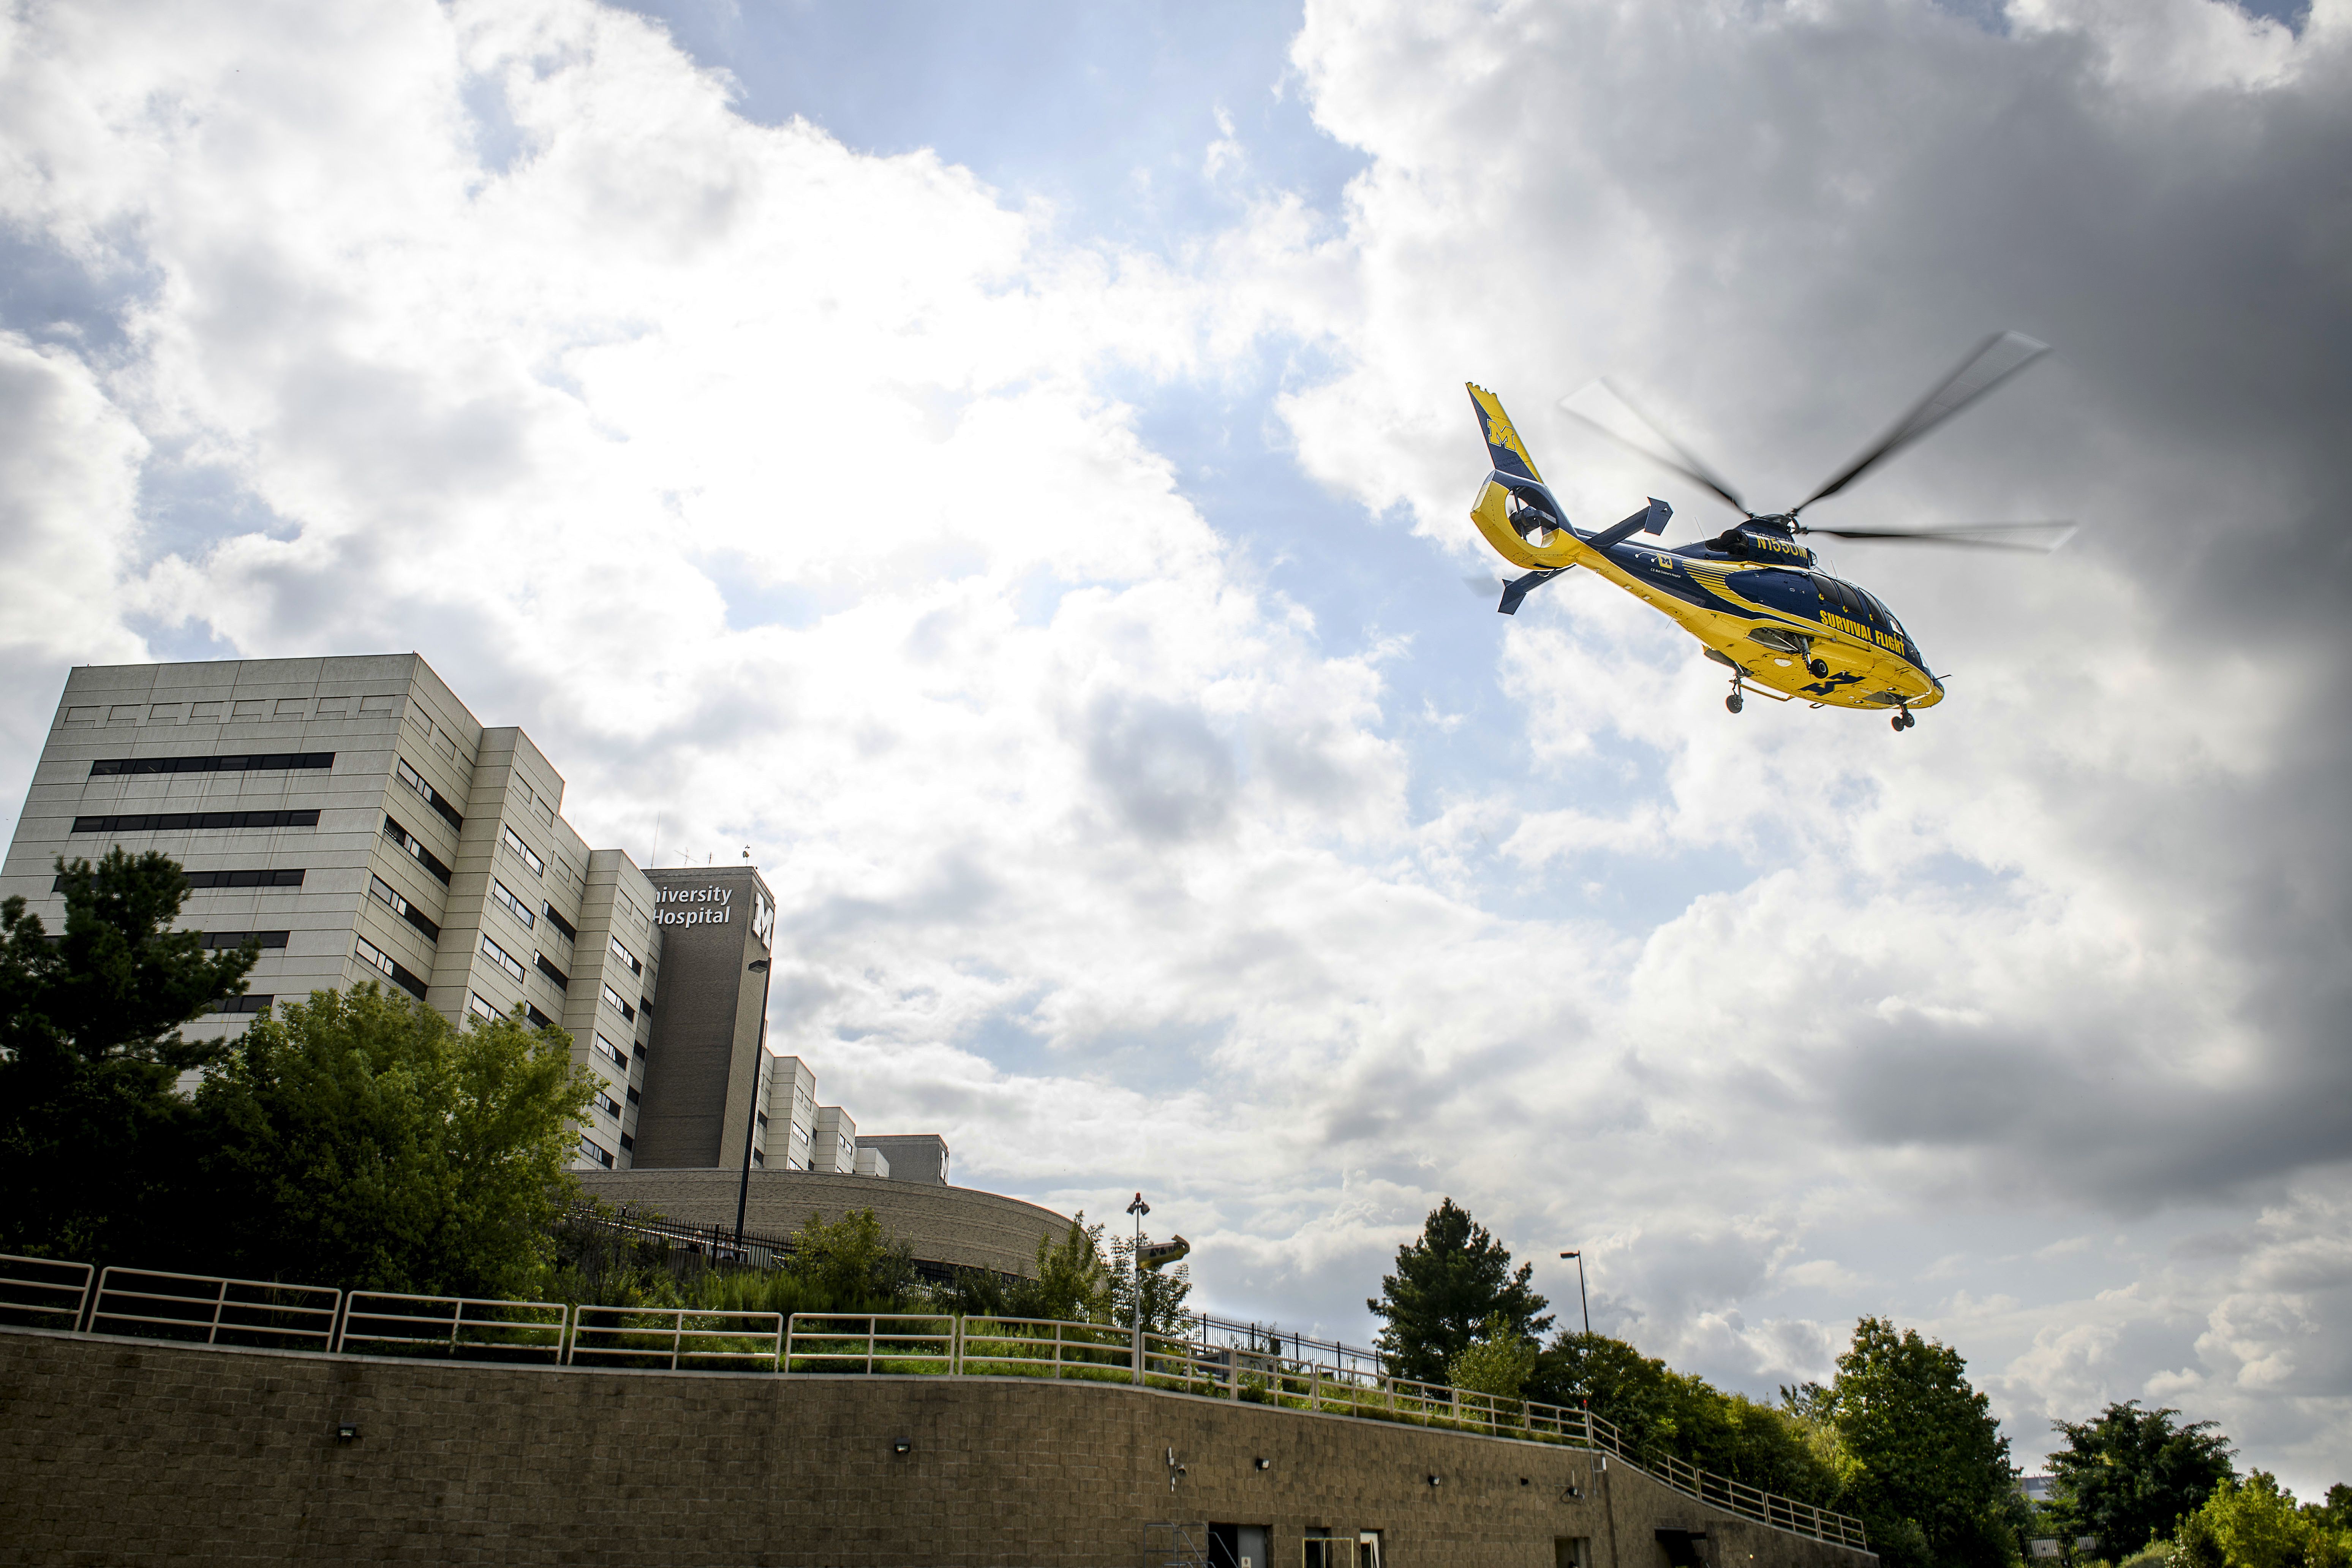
x: 1902, y: 721
x: 1733, y: 702
x: 1818, y: 669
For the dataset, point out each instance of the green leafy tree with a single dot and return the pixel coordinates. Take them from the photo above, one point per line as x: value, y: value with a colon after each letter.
x: 1072, y: 1283
x: 1923, y: 1461
x: 2128, y: 1476
x: 360, y: 1140
x: 851, y: 1264
x: 1447, y: 1283
x: 1498, y: 1362
x: 2335, y: 1513
x: 2254, y: 1523
x: 95, y: 1137
x: 1657, y: 1410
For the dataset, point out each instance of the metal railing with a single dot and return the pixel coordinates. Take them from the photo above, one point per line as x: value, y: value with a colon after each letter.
x: 871, y: 1343
x: 676, y: 1338
x: 208, y: 1310
x: 43, y: 1293
x: 131, y: 1303
x: 1046, y: 1347
x: 470, y: 1328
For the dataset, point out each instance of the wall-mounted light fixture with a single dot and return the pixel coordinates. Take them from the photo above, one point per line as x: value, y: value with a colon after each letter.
x: 1264, y: 1464
x: 347, y: 1432
x: 902, y: 1446
x: 1436, y: 1480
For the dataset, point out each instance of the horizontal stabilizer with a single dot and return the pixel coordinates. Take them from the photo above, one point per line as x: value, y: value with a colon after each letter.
x: 1651, y: 521
x: 1517, y: 588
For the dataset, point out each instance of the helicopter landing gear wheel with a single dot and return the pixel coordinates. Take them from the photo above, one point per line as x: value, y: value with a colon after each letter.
x: 1904, y: 721
x: 1733, y: 702
x: 1897, y: 722
x: 1818, y: 669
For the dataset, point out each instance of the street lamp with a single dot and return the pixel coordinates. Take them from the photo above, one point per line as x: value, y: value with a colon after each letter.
x: 758, y: 966
x: 1584, y: 1400
x: 1579, y: 1292
x: 1139, y: 1208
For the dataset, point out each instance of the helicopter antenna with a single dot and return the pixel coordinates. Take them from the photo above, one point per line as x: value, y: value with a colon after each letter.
x: 1683, y: 462
x: 1994, y: 361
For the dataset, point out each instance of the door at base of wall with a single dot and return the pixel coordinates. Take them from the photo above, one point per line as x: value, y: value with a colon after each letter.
x: 1237, y: 1546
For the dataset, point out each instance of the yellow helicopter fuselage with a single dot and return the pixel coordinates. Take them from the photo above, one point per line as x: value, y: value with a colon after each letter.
x: 1755, y: 599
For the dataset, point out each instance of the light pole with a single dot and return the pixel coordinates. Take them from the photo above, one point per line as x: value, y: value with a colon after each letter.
x: 1579, y: 1292
x: 1139, y: 1208
x: 759, y: 967
x: 1584, y: 1399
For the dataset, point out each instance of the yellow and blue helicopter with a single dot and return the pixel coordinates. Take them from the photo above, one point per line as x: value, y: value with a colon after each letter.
x: 1756, y: 599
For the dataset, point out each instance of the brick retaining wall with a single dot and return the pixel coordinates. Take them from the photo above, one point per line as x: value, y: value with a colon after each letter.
x: 119, y: 1452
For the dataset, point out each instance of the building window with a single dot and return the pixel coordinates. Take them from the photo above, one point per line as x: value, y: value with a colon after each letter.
x: 758, y: 1159
x: 570, y: 934
x: 240, y: 938
x: 247, y: 1004
x: 633, y: 1095
x: 591, y: 1149
x: 415, y: 848
x: 288, y: 878
x: 628, y: 1143
x: 613, y: 1000
x: 514, y: 842
x: 432, y: 797
x: 626, y: 956
x: 553, y: 972
x: 176, y: 821
x: 375, y: 958
x: 512, y: 905
x: 612, y: 1053
x: 199, y: 881
x: 608, y: 1105
x: 478, y: 1007
x: 384, y: 893
x: 257, y: 762
x: 502, y: 957
x: 539, y: 1020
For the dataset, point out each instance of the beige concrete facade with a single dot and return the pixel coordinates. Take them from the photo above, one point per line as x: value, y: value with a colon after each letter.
x: 356, y: 815
x: 404, y: 844
x: 958, y: 1225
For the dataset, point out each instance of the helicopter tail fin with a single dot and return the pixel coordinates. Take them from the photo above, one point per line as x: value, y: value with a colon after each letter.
x: 1504, y: 448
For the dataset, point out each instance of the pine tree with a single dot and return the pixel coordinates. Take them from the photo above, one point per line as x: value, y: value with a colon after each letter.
x: 1445, y: 1287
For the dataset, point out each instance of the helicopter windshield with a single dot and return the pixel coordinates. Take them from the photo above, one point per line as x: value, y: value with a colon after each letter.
x: 1884, y: 614
x: 1858, y: 603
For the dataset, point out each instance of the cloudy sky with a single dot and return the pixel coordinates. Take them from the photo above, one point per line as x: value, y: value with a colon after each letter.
x: 1008, y: 466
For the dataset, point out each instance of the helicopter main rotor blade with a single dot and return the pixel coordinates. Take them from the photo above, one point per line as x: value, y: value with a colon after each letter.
x: 1973, y: 535
x: 1996, y: 359
x: 1683, y: 462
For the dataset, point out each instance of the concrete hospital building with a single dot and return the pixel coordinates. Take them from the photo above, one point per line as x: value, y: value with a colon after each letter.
x: 354, y: 819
